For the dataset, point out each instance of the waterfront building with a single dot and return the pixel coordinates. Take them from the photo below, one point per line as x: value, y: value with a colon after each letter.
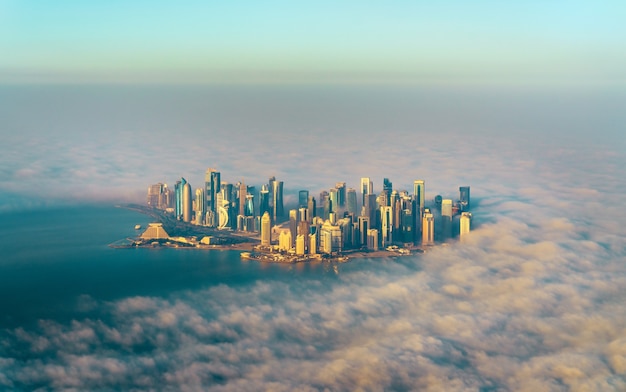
x: 372, y: 239
x: 313, y: 244
x: 199, y: 206
x: 178, y: 194
x: 351, y: 201
x: 212, y: 188
x: 347, y: 232
x: 464, y: 198
x: 330, y: 238
x: 277, y: 200
x: 250, y: 224
x: 465, y: 224
x: 386, y: 225
x: 285, y: 241
x: 367, y: 188
x: 303, y: 199
x: 223, y: 214
x: 266, y: 229
x: 156, y: 195
x: 154, y: 231
x: 428, y: 228
x: 300, y: 245
x: 364, y: 226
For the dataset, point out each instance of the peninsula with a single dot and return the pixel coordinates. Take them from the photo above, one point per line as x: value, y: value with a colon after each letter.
x: 337, y: 226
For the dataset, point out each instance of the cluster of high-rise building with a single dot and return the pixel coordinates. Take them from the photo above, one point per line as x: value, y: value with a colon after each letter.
x: 338, y: 220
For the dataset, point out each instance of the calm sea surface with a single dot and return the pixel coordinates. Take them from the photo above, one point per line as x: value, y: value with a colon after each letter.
x: 55, y: 259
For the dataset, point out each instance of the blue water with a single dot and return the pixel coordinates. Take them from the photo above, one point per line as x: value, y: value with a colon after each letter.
x: 54, y: 258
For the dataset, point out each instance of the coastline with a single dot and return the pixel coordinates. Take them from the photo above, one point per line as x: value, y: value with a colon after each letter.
x: 247, y: 244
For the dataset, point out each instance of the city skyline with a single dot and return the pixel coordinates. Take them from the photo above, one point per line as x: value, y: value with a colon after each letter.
x: 305, y: 106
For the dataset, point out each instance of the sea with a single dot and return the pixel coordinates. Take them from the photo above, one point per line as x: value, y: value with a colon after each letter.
x: 55, y: 258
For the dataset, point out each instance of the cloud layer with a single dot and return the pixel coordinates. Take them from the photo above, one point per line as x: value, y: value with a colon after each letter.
x: 533, y: 301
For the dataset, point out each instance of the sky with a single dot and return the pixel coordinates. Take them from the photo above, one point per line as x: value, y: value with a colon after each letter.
x: 573, y: 42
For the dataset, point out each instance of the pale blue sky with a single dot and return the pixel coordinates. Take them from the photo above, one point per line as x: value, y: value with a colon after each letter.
x: 336, y: 41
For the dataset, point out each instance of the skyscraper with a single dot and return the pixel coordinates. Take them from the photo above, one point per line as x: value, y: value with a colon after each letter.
x: 334, y: 199
x: 311, y: 205
x: 155, y: 193
x: 466, y: 222
x: 293, y: 225
x: 446, y: 219
x: 212, y: 188
x: 428, y: 228
x: 187, y: 208
x: 200, y: 205
x: 264, y: 201
x: 418, y: 193
x: 367, y: 188
x: 464, y: 198
x: 277, y: 198
x: 178, y: 190
x: 351, y: 201
x: 249, y: 208
x: 419, y: 198
x: 386, y: 225
x: 243, y: 192
x: 266, y: 230
x: 387, y: 189
x: 341, y: 195
x: 303, y: 198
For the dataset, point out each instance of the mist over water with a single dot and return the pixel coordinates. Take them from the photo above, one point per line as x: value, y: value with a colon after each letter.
x: 534, y: 300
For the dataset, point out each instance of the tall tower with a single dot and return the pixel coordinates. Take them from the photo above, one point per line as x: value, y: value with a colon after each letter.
x: 464, y: 198
x: 187, y: 202
x: 293, y: 225
x: 312, y: 207
x: 386, y: 225
x: 428, y: 228
x: 264, y: 201
x: 341, y: 194
x: 277, y: 197
x: 243, y: 192
x: 351, y: 201
x: 178, y: 189
x: 446, y: 218
x: 387, y: 189
x: 466, y: 222
x: 212, y: 188
x: 266, y: 230
x: 367, y: 188
x: 303, y: 198
x: 418, y: 193
x: 200, y: 205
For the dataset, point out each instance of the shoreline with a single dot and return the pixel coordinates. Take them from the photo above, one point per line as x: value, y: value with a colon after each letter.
x: 245, y: 243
